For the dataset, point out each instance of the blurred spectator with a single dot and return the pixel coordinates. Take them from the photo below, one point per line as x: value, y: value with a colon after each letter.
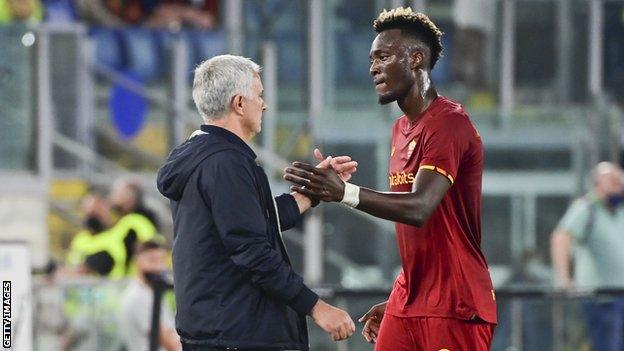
x: 136, y: 312
x: 95, y: 12
x: 99, y: 249
x: 100, y: 263
x: 20, y: 10
x: 137, y: 222
x: 98, y: 218
x: 80, y: 333
x: 153, y: 13
x: 127, y: 197
x: 107, y: 244
x: 593, y: 229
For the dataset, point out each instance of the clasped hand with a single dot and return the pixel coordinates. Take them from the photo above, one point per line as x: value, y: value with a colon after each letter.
x: 322, y: 182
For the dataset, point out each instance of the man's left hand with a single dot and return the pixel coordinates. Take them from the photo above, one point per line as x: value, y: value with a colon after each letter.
x: 316, y: 183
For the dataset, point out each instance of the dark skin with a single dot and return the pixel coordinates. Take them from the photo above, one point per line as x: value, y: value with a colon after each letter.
x: 400, y: 66
x: 400, y: 70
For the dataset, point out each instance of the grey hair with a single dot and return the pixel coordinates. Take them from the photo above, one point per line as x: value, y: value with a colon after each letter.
x: 218, y: 80
x: 602, y: 168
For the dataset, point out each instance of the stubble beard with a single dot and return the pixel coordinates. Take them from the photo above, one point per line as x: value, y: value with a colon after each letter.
x: 385, y: 99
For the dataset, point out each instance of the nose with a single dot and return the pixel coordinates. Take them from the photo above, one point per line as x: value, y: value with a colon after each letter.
x: 374, y: 69
x: 264, y: 107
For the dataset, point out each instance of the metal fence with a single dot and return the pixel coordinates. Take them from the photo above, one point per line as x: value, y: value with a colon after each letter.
x: 530, y: 318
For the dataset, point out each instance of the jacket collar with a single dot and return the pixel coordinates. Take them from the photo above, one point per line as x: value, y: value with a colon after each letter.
x: 230, y: 137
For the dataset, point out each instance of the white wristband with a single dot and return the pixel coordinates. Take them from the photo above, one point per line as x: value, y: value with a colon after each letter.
x: 351, y: 195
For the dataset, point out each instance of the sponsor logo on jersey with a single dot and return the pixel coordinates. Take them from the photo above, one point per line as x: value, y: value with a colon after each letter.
x: 401, y: 178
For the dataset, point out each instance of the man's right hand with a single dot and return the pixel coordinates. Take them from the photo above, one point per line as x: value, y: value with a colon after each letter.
x: 333, y: 320
x: 372, y: 321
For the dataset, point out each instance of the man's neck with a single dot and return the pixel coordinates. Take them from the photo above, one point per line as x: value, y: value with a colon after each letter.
x: 418, y: 99
x: 231, y: 124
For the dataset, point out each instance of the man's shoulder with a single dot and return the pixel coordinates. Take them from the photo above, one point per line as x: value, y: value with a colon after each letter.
x: 229, y: 166
x: 448, y: 113
x: 227, y: 157
x: 449, y: 109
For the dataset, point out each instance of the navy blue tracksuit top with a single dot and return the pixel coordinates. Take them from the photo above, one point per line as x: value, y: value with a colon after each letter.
x: 234, y: 285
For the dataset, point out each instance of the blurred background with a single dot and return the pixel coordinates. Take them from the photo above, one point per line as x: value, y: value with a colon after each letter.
x: 94, y: 93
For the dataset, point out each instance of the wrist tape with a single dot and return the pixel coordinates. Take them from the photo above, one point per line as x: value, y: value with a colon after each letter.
x: 351, y: 195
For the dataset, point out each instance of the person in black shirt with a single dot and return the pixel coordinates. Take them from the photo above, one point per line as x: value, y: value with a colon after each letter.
x: 234, y: 284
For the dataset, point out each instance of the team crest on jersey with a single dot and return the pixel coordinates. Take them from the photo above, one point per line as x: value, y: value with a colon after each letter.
x: 410, y: 148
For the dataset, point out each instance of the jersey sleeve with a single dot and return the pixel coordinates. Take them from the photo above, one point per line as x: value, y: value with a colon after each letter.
x: 574, y: 221
x: 444, y: 144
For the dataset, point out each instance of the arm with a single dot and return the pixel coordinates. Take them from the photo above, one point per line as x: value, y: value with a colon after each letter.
x: 412, y: 208
x: 290, y: 207
x: 343, y: 165
x: 442, y: 147
x: 229, y: 183
x: 169, y: 339
x: 560, y: 248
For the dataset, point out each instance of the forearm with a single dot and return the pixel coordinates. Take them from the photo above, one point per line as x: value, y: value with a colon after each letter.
x: 289, y: 208
x: 408, y: 208
x: 169, y: 339
x: 303, y: 202
x: 560, y: 247
x: 268, y: 271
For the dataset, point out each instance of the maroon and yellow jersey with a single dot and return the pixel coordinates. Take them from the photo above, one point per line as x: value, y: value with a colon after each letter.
x: 444, y: 271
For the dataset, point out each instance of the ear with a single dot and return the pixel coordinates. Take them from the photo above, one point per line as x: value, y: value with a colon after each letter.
x: 418, y: 59
x: 238, y: 104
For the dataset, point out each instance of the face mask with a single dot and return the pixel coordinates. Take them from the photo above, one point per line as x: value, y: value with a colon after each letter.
x: 94, y: 225
x: 615, y: 200
x: 116, y: 209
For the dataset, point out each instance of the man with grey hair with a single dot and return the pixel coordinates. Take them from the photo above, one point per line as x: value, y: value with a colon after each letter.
x: 234, y: 285
x: 592, y: 230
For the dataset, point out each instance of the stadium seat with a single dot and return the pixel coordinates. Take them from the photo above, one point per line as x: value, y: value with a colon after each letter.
x: 143, y: 53
x: 290, y: 57
x: 352, y: 64
x: 59, y: 11
x: 108, y: 52
x: 206, y: 44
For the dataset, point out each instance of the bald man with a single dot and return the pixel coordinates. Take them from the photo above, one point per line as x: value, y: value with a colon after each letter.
x: 592, y: 230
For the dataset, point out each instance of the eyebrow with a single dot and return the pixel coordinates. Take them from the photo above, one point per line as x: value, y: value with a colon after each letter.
x: 376, y: 52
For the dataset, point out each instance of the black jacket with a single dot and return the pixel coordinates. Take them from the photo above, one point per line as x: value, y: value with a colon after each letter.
x: 234, y: 284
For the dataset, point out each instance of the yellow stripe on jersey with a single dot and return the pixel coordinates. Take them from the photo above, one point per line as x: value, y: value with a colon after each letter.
x: 439, y: 170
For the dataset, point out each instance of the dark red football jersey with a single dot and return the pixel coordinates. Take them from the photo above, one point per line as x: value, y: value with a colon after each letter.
x: 444, y: 271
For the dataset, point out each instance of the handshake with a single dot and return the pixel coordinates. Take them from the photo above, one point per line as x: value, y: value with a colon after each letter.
x: 326, y: 181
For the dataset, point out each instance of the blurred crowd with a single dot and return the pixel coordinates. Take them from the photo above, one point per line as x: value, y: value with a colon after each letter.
x: 106, y: 277
x: 114, y: 223
x: 199, y: 14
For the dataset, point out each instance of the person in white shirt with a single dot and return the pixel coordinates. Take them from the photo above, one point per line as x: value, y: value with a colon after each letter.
x: 136, y: 309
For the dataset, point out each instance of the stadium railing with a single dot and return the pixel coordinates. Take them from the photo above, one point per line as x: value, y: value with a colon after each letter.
x: 531, y: 318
